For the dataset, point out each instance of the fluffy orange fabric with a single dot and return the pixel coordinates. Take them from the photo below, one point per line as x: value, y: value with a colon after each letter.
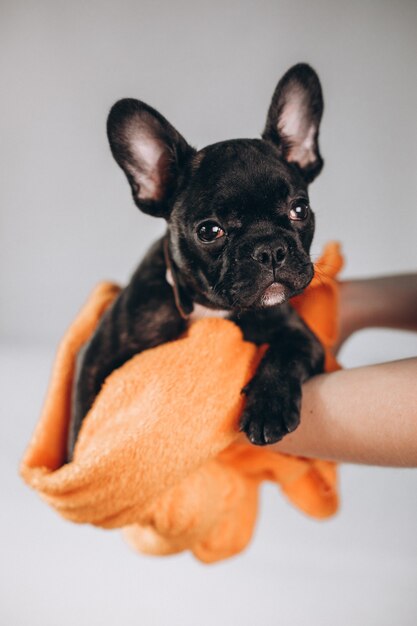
x: 157, y: 453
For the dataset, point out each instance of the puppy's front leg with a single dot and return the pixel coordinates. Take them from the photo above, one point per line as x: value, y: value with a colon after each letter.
x: 273, y: 403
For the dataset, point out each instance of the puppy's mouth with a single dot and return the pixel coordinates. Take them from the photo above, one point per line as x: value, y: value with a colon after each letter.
x: 276, y: 293
x: 282, y: 289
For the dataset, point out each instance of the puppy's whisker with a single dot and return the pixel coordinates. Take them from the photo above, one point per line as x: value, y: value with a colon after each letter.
x: 322, y: 264
x: 321, y: 275
x: 320, y: 269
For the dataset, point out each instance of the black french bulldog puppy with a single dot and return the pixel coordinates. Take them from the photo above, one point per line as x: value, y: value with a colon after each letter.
x: 237, y: 244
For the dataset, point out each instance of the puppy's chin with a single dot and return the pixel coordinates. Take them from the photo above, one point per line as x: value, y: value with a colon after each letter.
x: 275, y: 294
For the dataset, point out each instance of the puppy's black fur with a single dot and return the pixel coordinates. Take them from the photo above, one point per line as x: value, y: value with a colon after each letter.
x: 238, y: 240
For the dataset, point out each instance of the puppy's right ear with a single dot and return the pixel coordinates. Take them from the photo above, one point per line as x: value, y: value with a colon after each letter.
x: 152, y: 154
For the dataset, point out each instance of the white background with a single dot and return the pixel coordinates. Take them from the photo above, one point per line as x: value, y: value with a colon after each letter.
x: 67, y: 221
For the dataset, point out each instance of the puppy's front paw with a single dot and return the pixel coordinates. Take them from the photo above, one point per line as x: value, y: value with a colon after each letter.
x: 270, y: 412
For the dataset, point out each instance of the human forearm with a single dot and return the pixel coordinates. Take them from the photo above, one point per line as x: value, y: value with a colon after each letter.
x: 364, y: 415
x: 389, y: 301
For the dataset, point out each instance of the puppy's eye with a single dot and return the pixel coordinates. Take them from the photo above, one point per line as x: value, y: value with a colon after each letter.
x: 210, y: 231
x: 299, y: 211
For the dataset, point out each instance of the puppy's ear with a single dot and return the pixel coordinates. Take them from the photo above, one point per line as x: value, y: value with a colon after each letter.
x: 152, y: 154
x: 294, y: 118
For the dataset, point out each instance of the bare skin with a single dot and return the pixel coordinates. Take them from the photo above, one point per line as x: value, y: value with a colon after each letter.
x: 385, y: 302
x: 364, y: 415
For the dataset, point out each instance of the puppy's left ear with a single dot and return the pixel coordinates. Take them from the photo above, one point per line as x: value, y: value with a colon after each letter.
x: 294, y: 118
x: 152, y: 154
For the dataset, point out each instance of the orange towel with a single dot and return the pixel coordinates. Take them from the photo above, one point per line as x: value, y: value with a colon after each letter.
x: 157, y: 454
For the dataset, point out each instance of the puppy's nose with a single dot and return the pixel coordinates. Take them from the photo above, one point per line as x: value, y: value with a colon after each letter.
x: 270, y: 255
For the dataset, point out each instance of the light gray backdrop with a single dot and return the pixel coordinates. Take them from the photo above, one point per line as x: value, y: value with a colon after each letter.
x: 67, y: 221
